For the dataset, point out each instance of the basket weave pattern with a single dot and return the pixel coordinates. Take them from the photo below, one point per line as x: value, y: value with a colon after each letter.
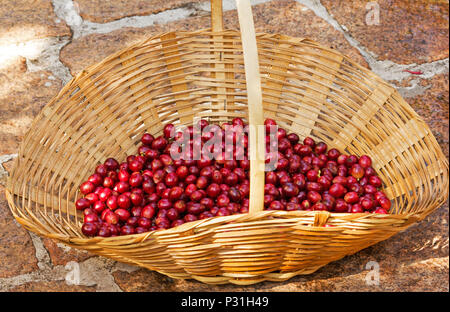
x: 179, y: 77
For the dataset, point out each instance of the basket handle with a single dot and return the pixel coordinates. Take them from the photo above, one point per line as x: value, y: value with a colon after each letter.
x: 254, y: 96
x: 216, y: 15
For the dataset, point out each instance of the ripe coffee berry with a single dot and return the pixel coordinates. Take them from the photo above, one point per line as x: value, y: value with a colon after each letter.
x: 375, y: 181
x: 89, y: 229
x: 213, y: 190
x: 111, y: 164
x: 365, y: 161
x: 87, y: 187
x: 351, y: 197
x: 148, y: 212
x: 82, y: 203
x: 385, y: 203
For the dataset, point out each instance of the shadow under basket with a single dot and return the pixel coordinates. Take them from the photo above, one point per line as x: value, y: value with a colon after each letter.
x: 177, y: 77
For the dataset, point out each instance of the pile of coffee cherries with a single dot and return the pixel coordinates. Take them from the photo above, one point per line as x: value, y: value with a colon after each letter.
x: 167, y: 183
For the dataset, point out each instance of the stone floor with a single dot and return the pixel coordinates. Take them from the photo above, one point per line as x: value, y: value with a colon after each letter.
x: 44, y: 43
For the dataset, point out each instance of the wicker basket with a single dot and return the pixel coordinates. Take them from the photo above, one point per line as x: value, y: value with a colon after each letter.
x: 176, y: 77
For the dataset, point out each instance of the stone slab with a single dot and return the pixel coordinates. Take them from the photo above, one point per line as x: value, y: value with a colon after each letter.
x: 285, y: 16
x: 23, y: 20
x: 22, y: 96
x: 99, y: 11
x: 17, y: 251
x: 408, y: 31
